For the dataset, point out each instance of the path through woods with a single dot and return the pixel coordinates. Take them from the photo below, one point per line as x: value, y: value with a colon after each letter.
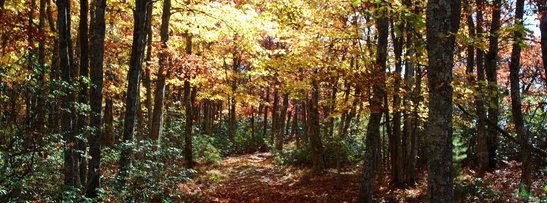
x: 255, y: 178
x: 258, y: 178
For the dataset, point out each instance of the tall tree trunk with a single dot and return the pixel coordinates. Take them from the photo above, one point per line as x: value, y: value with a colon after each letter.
x: 288, y: 123
x: 108, y: 120
x: 40, y: 110
x: 133, y: 79
x: 316, y: 147
x: 397, y: 152
x: 96, y: 99
x: 54, y: 114
x: 267, y: 102
x: 332, y: 109
x: 232, y: 123
x: 516, y: 101
x: 442, y: 22
x: 294, y: 128
x: 542, y: 5
x: 163, y: 72
x: 67, y: 117
x: 415, y: 123
x: 492, y: 76
x: 373, y: 128
x: 189, y: 98
x: 482, y: 131
x: 408, y: 119
x: 281, y: 123
x: 305, y: 118
x: 275, y: 116
x: 82, y: 97
x: 146, y: 73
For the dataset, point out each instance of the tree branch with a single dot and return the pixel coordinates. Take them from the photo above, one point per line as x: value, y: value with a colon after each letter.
x: 542, y: 154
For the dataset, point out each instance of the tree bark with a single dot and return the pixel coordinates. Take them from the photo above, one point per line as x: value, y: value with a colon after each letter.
x: 294, y: 128
x: 67, y: 117
x: 163, y: 72
x: 275, y: 116
x: 83, y: 96
x: 316, y: 147
x: 133, y: 78
x: 146, y: 74
x: 492, y: 77
x: 267, y: 102
x: 516, y: 101
x: 281, y: 123
x: 397, y: 153
x: 442, y: 23
x: 40, y: 111
x: 189, y: 98
x: 96, y: 99
x: 482, y: 131
x: 376, y: 109
x: 542, y: 5
x: 108, y: 120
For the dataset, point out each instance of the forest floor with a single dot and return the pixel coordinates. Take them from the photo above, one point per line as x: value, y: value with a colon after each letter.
x: 258, y: 178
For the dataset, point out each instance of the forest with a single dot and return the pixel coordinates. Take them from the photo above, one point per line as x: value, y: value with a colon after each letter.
x: 273, y: 101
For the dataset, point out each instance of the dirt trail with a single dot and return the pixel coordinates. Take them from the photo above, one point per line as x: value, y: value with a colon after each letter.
x: 255, y: 178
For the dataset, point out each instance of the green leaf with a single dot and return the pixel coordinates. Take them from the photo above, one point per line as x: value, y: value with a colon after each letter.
x: 356, y: 2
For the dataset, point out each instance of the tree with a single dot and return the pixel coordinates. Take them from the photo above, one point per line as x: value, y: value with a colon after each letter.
x: 83, y: 94
x: 516, y: 101
x: 157, y: 115
x: 376, y: 109
x: 133, y: 80
x: 395, y: 146
x: 543, y: 28
x: 281, y: 124
x: 96, y: 98
x: 442, y: 23
x: 482, y: 131
x: 66, y: 65
x: 487, y: 151
x: 189, y: 99
x: 316, y: 147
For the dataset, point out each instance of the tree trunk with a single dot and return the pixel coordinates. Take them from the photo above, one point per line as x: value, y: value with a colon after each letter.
x: 288, y: 123
x: 275, y: 116
x: 96, y: 98
x: 373, y: 128
x: 232, y: 123
x: 189, y: 98
x: 146, y: 73
x: 40, y: 111
x: 133, y: 78
x: 442, y: 22
x: 67, y: 117
x: 294, y: 128
x: 305, y: 124
x: 281, y: 123
x: 397, y: 152
x: 492, y: 76
x: 482, y: 131
x: 408, y: 116
x: 332, y: 109
x: 82, y: 99
x: 108, y: 120
x: 267, y: 102
x: 516, y: 102
x: 163, y: 72
x: 543, y: 28
x: 316, y: 147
